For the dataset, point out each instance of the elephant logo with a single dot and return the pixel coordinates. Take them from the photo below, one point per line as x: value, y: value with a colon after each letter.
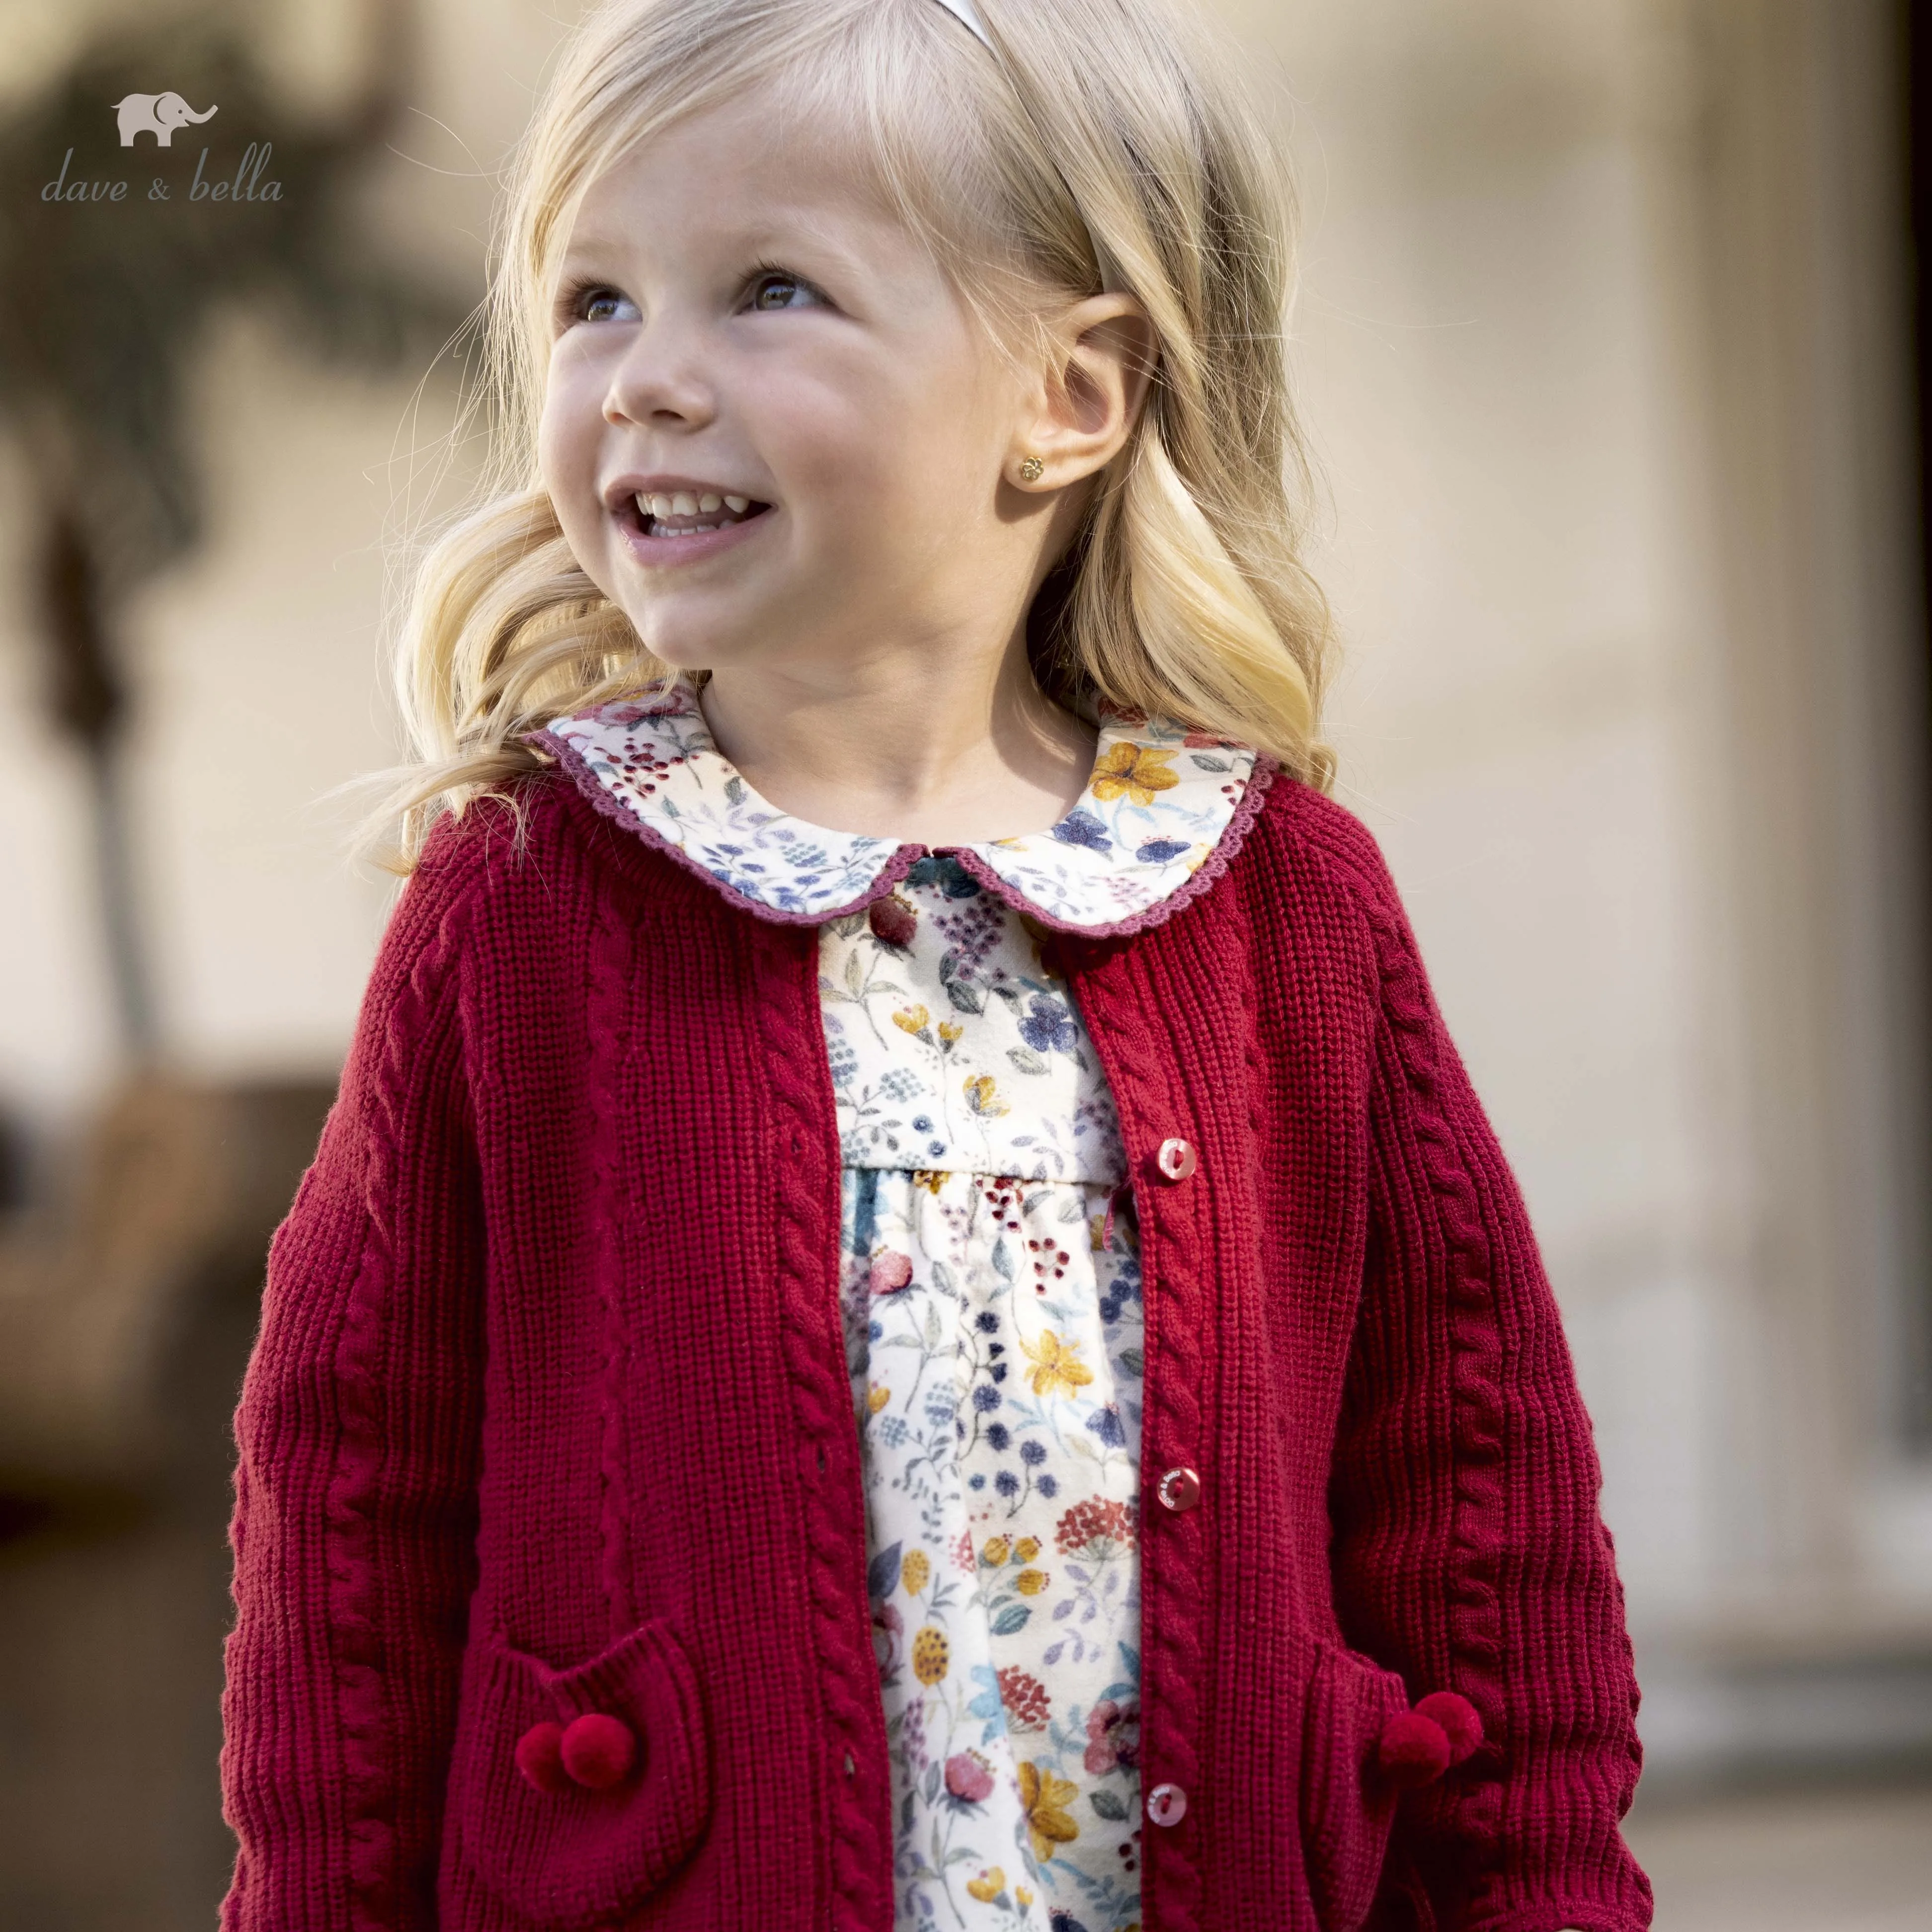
x: 156, y: 114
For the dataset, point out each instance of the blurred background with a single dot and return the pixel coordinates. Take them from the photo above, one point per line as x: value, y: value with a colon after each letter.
x: 1613, y: 329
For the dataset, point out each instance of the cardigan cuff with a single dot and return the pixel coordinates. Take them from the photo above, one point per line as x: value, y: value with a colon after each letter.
x: 1574, y: 1914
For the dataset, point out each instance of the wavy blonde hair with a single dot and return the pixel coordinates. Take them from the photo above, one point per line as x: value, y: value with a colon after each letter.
x: 1113, y: 124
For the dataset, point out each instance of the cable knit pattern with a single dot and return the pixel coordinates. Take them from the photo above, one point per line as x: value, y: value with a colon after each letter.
x: 1520, y: 1562
x: 573, y: 1220
x: 806, y: 1163
x: 612, y: 961
x: 353, y: 1496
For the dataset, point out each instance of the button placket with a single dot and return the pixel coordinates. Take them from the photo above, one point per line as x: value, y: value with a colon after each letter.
x: 1175, y: 1160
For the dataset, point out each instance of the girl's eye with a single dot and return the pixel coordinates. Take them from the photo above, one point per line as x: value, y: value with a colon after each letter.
x: 775, y: 288
x: 593, y: 302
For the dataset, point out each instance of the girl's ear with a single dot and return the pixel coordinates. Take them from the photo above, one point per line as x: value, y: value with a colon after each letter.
x: 1096, y: 385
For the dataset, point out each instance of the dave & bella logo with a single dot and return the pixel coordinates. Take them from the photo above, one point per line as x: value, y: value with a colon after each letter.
x: 160, y: 114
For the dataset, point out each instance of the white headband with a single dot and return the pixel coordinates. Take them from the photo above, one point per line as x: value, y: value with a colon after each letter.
x: 967, y: 15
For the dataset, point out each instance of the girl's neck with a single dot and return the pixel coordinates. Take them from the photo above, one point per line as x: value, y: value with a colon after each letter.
x: 931, y: 753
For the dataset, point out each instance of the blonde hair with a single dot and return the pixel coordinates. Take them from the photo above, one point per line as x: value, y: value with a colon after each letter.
x: 1114, y: 124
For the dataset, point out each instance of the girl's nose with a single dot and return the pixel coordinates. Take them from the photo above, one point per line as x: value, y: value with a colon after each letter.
x: 659, y: 381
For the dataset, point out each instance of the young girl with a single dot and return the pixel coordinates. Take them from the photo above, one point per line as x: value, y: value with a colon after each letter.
x: 906, y: 1317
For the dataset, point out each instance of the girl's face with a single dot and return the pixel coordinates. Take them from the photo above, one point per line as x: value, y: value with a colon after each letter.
x: 747, y: 348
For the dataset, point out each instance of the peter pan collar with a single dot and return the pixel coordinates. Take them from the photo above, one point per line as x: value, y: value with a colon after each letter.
x: 1162, y: 814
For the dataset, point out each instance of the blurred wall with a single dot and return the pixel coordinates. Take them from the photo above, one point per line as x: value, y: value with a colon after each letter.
x: 1601, y: 330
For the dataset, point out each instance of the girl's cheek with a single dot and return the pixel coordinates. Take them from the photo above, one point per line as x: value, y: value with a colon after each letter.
x: 567, y: 454
x: 566, y: 467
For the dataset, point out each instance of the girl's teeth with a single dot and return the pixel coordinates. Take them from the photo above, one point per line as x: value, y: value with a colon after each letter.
x: 688, y: 503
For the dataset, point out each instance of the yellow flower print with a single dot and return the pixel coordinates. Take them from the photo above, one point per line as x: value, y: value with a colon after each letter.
x: 1025, y: 1898
x: 949, y: 1030
x: 1030, y: 1582
x: 982, y: 1097
x: 914, y: 1570
x: 1057, y: 1364
x: 1045, y: 1798
x: 1136, y: 771
x: 989, y: 1885
x: 1027, y: 1549
x: 930, y: 1652
x: 912, y: 1019
x: 877, y: 1396
x: 995, y: 1551
x: 932, y: 1179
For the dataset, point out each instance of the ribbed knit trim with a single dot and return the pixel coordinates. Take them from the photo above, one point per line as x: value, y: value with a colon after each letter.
x: 1575, y: 1915
x: 1122, y: 993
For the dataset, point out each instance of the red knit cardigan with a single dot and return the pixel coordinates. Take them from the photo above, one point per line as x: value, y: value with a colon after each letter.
x: 549, y: 1417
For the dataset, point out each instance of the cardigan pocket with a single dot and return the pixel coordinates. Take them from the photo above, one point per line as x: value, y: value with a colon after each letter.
x: 1347, y: 1806
x: 573, y: 1793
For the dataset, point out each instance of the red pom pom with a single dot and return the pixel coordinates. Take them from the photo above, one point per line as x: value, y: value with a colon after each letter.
x: 1414, y: 1750
x: 539, y: 1756
x: 1461, y: 1724
x: 598, y: 1750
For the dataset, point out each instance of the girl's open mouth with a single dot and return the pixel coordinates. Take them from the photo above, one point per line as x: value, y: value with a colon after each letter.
x: 671, y: 525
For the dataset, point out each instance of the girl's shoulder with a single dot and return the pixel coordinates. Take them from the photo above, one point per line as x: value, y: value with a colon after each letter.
x: 1329, y: 849
x: 485, y: 849
x: 501, y: 854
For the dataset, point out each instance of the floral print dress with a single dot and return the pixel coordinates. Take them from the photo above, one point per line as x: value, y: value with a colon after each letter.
x: 990, y: 1285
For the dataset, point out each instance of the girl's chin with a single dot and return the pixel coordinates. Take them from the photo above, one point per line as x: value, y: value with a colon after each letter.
x: 687, y: 648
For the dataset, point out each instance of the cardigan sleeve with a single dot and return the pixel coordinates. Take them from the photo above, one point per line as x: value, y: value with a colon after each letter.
x: 1469, y: 1553
x: 353, y: 1524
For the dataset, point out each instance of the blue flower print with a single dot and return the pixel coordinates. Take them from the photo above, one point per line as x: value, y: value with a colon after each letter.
x: 1080, y: 827
x: 951, y: 877
x: 1158, y: 851
x: 1106, y: 1424
x: 1048, y: 1027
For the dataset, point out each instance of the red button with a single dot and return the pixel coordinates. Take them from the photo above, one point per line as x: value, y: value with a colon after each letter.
x: 1179, y: 1490
x: 1176, y: 1159
x: 1167, y: 1804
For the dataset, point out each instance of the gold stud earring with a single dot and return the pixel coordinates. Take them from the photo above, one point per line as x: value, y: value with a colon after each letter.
x: 1030, y: 469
